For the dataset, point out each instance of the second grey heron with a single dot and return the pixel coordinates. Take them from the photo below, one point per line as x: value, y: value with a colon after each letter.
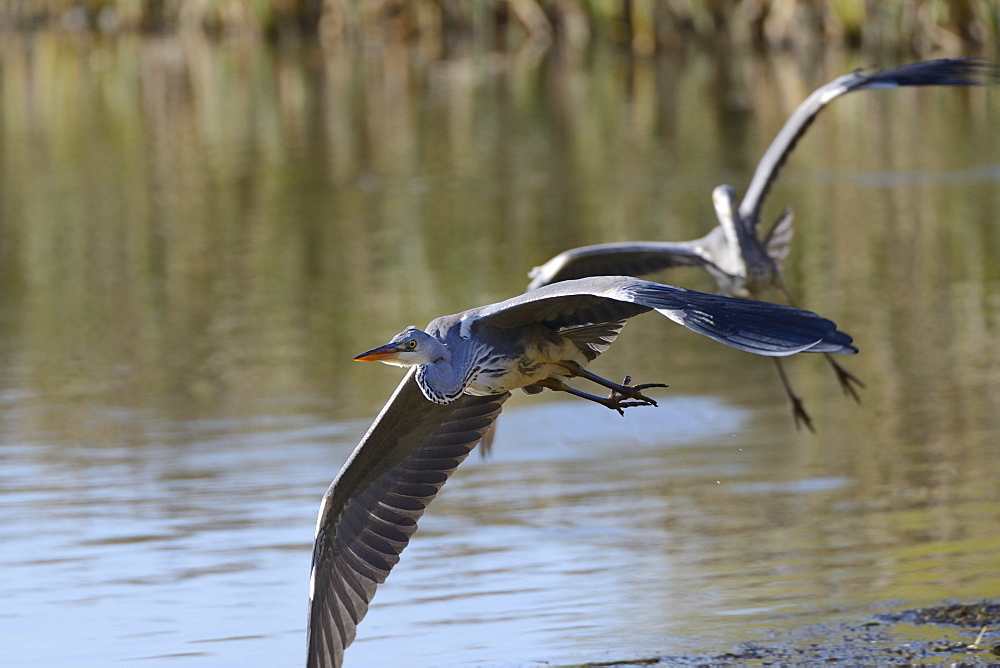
x: 743, y: 263
x: 463, y: 368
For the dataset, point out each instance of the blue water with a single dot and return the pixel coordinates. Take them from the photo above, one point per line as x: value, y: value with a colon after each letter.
x: 585, y: 537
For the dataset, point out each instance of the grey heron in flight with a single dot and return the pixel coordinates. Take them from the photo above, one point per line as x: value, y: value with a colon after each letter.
x: 742, y: 262
x: 462, y: 368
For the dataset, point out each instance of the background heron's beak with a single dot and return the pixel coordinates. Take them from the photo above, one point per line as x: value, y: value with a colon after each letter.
x: 382, y: 353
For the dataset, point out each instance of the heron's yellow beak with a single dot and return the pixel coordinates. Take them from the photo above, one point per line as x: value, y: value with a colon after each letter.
x: 381, y: 354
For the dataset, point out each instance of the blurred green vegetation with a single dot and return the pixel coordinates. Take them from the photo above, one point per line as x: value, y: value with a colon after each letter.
x: 912, y: 27
x: 215, y: 226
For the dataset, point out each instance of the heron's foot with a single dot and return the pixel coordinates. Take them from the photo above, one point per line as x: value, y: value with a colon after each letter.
x: 798, y: 410
x: 634, y: 392
x: 849, y: 383
x: 619, y: 392
x: 627, y: 395
x: 800, y: 414
x: 621, y: 397
x: 620, y: 404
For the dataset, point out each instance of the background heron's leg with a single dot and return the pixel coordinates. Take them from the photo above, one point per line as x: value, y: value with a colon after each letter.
x: 630, y: 391
x: 784, y: 290
x: 616, y: 401
x: 798, y: 411
x: 846, y: 378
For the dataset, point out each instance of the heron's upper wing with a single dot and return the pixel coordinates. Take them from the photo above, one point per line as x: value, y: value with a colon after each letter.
x: 370, y: 511
x: 631, y: 258
x: 943, y: 72
x: 757, y: 327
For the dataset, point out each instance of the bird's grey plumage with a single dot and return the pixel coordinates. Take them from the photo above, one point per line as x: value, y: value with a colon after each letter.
x: 627, y: 258
x: 463, y: 367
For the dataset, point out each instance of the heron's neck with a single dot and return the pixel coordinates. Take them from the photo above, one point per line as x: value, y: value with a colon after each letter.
x: 444, y: 380
x: 734, y: 229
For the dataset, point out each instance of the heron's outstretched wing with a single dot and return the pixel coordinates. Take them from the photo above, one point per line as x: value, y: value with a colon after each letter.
x: 370, y: 511
x: 757, y: 327
x: 943, y: 72
x: 630, y: 258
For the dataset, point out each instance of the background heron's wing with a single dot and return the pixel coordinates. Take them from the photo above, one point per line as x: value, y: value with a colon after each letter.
x: 757, y: 327
x: 371, y: 509
x: 633, y: 258
x: 778, y: 241
x: 943, y: 72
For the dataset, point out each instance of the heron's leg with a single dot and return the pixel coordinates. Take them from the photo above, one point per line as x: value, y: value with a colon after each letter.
x: 616, y: 401
x: 846, y: 378
x: 784, y: 290
x: 798, y: 411
x: 630, y: 391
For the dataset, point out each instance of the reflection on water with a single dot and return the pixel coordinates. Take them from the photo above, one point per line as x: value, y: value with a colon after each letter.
x: 196, y: 237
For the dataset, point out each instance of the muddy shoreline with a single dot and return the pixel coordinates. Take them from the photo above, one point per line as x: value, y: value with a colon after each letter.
x: 949, y: 633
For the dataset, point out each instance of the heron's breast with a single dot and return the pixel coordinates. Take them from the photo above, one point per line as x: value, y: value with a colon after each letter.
x: 535, y: 363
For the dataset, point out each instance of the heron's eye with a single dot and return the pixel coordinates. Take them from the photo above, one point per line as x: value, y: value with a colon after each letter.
x: 411, y: 344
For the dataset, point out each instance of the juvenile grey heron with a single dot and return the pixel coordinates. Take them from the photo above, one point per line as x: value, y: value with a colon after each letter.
x: 743, y: 263
x: 463, y: 367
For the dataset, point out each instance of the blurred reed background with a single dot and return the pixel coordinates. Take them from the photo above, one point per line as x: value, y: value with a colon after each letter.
x: 216, y: 222
x: 914, y: 27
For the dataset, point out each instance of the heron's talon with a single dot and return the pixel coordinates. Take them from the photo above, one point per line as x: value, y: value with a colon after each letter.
x: 846, y: 378
x: 800, y: 415
x: 628, y: 391
x: 627, y: 397
x: 648, y: 385
x: 620, y: 405
x: 618, y: 401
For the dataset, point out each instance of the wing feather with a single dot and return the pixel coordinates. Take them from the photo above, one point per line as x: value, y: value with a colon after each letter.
x: 633, y: 258
x: 371, y: 510
x: 754, y: 326
x: 942, y: 72
x: 593, y: 340
x: 778, y: 242
x: 762, y: 328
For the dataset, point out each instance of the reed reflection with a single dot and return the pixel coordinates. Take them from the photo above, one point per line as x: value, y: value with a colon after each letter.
x: 218, y: 223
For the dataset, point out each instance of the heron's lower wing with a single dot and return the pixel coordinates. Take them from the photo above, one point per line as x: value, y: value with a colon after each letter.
x: 371, y: 510
x: 633, y: 258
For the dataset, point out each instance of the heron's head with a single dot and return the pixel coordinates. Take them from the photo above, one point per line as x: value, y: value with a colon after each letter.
x: 408, y: 348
